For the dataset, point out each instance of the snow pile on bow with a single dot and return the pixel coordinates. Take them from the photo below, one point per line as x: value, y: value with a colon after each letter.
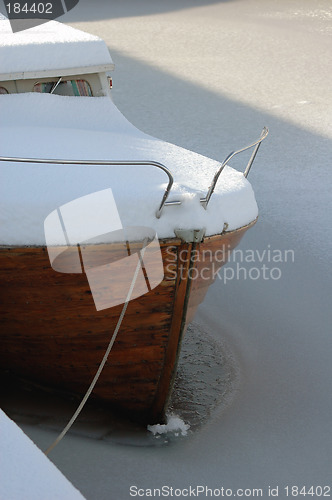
x: 174, y: 424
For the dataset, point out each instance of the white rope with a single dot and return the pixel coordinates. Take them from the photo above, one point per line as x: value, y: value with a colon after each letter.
x: 102, y: 364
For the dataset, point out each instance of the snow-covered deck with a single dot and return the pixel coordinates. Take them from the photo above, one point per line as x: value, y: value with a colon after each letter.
x: 57, y: 127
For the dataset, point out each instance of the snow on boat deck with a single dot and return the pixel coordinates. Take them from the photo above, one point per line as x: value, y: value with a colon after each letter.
x: 58, y: 127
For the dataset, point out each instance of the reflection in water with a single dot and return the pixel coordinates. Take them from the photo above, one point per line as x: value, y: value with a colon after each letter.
x: 206, y: 380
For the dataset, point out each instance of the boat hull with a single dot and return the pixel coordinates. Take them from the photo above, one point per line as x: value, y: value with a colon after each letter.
x: 52, y: 334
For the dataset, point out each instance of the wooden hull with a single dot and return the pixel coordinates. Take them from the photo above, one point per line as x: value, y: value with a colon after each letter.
x: 51, y: 332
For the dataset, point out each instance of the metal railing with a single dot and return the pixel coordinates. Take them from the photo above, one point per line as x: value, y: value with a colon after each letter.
x: 105, y: 162
x: 204, y: 201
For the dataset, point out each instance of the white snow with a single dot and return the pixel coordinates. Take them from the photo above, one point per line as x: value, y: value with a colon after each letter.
x: 50, y: 126
x: 26, y: 473
x: 49, y: 46
x: 174, y: 424
x: 237, y: 65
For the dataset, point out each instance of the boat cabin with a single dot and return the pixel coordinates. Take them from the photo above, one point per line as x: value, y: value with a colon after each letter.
x: 82, y: 68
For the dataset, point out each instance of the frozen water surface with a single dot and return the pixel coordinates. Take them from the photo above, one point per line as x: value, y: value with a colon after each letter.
x: 206, y: 76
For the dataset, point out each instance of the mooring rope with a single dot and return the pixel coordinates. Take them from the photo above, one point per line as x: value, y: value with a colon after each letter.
x: 107, y: 352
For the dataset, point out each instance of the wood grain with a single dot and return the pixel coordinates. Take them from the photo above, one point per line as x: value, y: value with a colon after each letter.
x: 52, y: 333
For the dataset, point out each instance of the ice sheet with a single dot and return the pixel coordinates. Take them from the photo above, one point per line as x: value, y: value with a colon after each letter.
x: 26, y: 472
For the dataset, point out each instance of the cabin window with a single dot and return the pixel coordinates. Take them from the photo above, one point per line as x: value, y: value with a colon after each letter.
x: 3, y: 90
x: 65, y: 87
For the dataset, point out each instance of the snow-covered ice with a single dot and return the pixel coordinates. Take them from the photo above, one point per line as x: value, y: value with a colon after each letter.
x: 26, y: 472
x: 237, y: 65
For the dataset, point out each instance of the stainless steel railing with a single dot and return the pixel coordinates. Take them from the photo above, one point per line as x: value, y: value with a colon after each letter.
x: 204, y: 201
x: 104, y: 162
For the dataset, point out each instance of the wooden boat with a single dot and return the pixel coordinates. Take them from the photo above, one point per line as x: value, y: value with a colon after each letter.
x: 56, y: 336
x: 52, y: 333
